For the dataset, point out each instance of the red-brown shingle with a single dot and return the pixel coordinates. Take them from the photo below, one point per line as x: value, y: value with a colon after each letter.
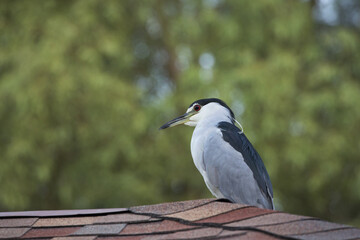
x: 268, y: 219
x: 136, y: 237
x: 256, y: 235
x: 208, y: 210
x: 50, y: 232
x: 154, y: 227
x: 192, y: 233
x: 235, y: 215
x: 348, y: 233
x: 301, y: 227
x: 75, y: 238
x: 245, y: 235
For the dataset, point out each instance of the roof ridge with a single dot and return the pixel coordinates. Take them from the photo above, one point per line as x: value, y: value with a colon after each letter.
x: 61, y: 213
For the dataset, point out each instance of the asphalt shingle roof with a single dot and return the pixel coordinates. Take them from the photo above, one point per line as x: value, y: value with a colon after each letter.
x: 199, y: 219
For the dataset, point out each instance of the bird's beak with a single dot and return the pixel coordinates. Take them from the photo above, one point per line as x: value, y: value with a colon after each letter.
x: 177, y: 121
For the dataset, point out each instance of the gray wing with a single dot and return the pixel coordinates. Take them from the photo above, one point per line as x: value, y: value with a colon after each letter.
x: 236, y: 169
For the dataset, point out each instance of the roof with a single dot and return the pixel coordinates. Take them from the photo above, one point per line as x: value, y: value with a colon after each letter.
x: 199, y: 219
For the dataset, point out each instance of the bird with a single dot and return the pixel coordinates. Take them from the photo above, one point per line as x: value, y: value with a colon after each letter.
x: 229, y: 164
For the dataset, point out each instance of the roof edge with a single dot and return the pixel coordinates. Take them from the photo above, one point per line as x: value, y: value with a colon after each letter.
x: 62, y: 213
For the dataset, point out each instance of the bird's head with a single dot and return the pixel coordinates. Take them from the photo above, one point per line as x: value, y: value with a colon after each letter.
x: 200, y: 110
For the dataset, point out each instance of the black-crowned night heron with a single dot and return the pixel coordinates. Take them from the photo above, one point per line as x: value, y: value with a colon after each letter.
x: 229, y: 164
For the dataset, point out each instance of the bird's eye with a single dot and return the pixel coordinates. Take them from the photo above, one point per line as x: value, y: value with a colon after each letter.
x: 197, y: 107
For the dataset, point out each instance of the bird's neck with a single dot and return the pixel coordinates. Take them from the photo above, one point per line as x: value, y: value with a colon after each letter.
x: 213, y: 120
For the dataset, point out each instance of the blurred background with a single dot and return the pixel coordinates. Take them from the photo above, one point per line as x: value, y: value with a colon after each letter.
x: 85, y: 85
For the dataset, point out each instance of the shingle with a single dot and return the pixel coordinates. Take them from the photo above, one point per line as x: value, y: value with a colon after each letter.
x: 75, y: 238
x: 244, y: 235
x: 154, y: 227
x: 193, y: 234
x: 168, y: 208
x: 228, y: 233
x: 12, y: 232
x: 122, y: 218
x: 206, y: 211
x: 64, y: 221
x: 257, y: 235
x: 349, y: 233
x: 50, y: 232
x: 232, y: 237
x: 235, y: 215
x: 301, y: 227
x: 17, y: 222
x: 137, y: 237
x: 267, y: 219
x: 106, y: 229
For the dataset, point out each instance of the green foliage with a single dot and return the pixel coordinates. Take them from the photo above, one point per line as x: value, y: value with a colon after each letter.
x: 84, y: 86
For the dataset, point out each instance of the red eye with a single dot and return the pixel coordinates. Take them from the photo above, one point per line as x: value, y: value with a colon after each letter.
x: 197, y: 107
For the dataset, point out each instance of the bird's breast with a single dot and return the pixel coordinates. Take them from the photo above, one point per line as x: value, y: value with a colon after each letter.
x: 198, y: 141
x: 199, y: 137
x: 197, y: 149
